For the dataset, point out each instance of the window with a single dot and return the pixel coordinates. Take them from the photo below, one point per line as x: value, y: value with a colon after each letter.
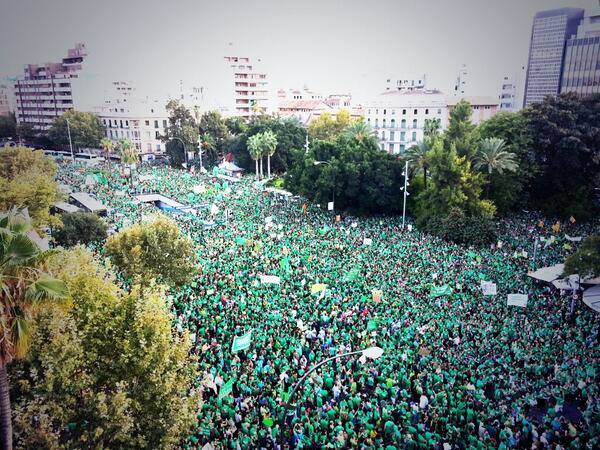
x: 391, y: 135
x: 376, y: 122
x: 393, y: 112
x: 149, y: 146
x: 148, y: 135
x: 147, y: 122
x: 401, y: 148
x: 426, y: 111
x: 384, y: 122
x: 157, y: 135
x: 415, y: 111
x: 158, y: 147
x: 369, y: 112
x: 402, y: 136
x: 391, y: 148
x: 164, y: 124
x: 414, y: 136
x: 376, y: 111
x: 156, y: 124
x: 383, y: 135
x: 127, y: 123
x: 403, y: 111
x: 439, y: 110
x: 403, y: 123
x: 121, y: 124
x: 393, y: 123
x: 414, y: 123
x: 384, y: 111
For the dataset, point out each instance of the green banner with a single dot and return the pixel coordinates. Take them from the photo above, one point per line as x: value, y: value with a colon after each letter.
x: 242, y: 342
x: 352, y: 274
x: 226, y: 389
x: 438, y: 291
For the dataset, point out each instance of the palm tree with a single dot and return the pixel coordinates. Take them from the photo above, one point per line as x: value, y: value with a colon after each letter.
x: 417, y: 156
x: 432, y: 127
x: 361, y: 131
x: 129, y: 156
x: 24, y: 289
x: 255, y: 149
x: 269, y: 141
x: 107, y: 145
x: 492, y: 156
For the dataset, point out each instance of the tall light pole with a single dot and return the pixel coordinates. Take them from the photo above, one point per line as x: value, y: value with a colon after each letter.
x: 318, y: 163
x: 70, y: 143
x: 200, y: 150
x: 406, y: 194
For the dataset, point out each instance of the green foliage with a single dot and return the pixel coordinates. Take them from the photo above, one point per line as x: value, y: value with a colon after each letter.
x: 107, y: 145
x: 461, y: 133
x: 175, y: 152
x: 127, y: 152
x: 86, y: 130
x: 214, y: 133
x: 107, y: 373
x: 80, y: 228
x: 564, y: 138
x: 154, y: 249
x: 326, y: 127
x: 26, y: 131
x: 27, y: 181
x: 453, y: 185
x: 363, y: 178
x: 182, y: 125
x: 8, y: 126
x: 236, y: 125
x: 492, y: 157
x: 586, y: 260
x: 361, y: 132
x: 457, y: 227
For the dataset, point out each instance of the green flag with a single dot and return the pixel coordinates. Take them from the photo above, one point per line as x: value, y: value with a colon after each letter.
x: 226, y: 389
x: 352, y: 274
x: 438, y: 291
x: 372, y: 325
x: 284, y: 264
x: 241, y: 342
x: 215, y: 171
x: 240, y: 241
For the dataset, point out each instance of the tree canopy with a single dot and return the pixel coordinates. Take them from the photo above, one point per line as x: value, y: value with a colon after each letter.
x: 86, y: 130
x: 327, y: 127
x: 586, y: 260
x: 80, y: 228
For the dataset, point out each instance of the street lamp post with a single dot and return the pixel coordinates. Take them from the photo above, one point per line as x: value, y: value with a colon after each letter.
x: 406, y: 194
x: 370, y: 353
x: 70, y: 143
x: 318, y: 163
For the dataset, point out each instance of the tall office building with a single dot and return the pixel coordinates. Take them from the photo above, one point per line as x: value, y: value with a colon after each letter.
x: 581, y: 69
x: 44, y: 92
x: 551, y: 29
x: 250, y: 87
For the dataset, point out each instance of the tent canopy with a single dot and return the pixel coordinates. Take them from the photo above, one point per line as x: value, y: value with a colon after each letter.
x: 591, y: 297
x: 548, y: 274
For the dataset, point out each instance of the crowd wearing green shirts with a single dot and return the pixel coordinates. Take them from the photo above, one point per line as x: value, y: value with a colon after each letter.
x: 459, y: 369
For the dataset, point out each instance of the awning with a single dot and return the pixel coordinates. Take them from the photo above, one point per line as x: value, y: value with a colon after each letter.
x: 548, y: 274
x: 571, y: 283
x: 591, y: 297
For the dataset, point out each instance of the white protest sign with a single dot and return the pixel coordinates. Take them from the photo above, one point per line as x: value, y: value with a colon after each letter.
x: 367, y: 241
x: 199, y: 189
x: 330, y: 206
x: 488, y: 288
x: 214, y: 209
x: 270, y: 279
x: 517, y: 300
x: 409, y: 227
x: 573, y: 239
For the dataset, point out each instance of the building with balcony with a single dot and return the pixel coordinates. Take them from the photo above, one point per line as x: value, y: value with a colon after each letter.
x: 250, y: 87
x: 46, y: 91
x: 306, y: 105
x: 141, y: 120
x: 511, y: 91
x: 399, y: 116
x: 6, y: 100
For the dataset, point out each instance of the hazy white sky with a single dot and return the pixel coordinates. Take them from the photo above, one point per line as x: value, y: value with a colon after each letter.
x: 330, y: 45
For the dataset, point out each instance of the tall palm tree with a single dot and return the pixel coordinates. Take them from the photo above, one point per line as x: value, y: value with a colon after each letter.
x: 361, y: 131
x: 269, y: 141
x: 25, y: 288
x: 107, y: 145
x: 493, y: 157
x: 417, y: 156
x: 128, y: 153
x: 255, y: 149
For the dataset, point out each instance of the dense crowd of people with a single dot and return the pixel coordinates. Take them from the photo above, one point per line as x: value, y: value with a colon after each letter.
x: 459, y: 369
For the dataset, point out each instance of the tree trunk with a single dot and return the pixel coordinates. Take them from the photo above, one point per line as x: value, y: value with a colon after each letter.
x: 261, y: 167
x: 425, y: 176
x: 5, y: 412
x: 256, y: 170
x: 269, y: 166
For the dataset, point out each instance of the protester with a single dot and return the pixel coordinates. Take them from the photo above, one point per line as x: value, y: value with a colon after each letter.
x: 459, y: 370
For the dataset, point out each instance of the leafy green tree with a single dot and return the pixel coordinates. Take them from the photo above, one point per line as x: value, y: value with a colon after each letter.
x: 107, y: 146
x: 417, y: 157
x: 255, y: 147
x: 326, y: 127
x: 8, y: 126
x: 127, y: 152
x: 86, y: 130
x: 461, y: 132
x: 80, y: 228
x: 586, y: 260
x: 25, y: 290
x: 236, y: 125
x: 361, y: 131
x: 176, y: 153
x: 109, y: 372
x: 564, y: 141
x: 181, y: 133
x: 214, y: 126
x: 509, y: 190
x: 27, y: 181
x: 154, y: 249
x: 26, y: 132
x: 453, y: 186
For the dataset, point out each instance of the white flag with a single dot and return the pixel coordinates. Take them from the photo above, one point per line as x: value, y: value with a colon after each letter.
x: 573, y: 239
x: 269, y: 279
x: 488, y: 288
x: 517, y: 300
x: 367, y: 241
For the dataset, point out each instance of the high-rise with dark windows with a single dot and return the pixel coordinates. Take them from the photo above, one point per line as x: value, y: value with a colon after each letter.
x: 549, y: 34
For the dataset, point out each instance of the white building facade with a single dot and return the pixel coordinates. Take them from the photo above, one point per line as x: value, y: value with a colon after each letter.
x: 511, y: 91
x: 399, y: 117
x: 142, y: 121
x: 249, y: 87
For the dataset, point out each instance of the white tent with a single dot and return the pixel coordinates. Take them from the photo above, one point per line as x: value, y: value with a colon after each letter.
x: 591, y: 297
x: 548, y: 274
x: 571, y: 283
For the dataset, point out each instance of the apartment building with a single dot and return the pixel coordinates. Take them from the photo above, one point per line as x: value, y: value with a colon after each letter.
x: 250, y: 87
